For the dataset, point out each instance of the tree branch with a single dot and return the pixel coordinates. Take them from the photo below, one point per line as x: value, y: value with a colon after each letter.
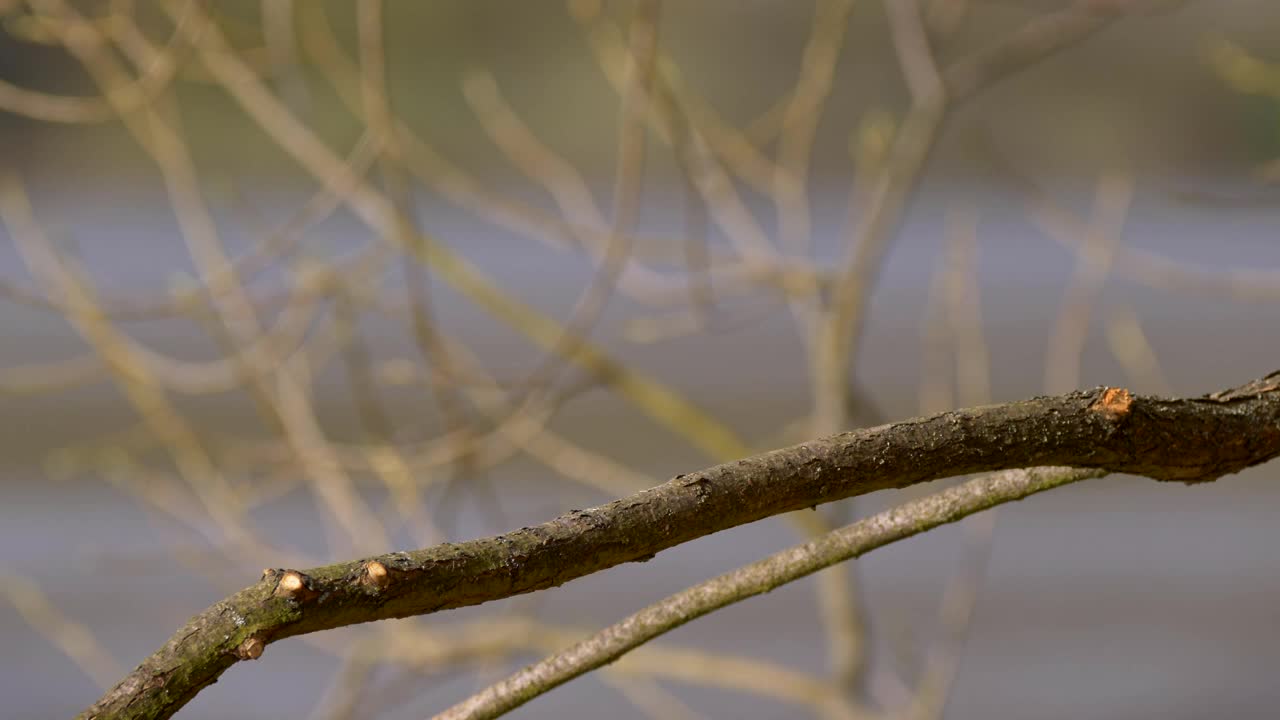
x: 1189, y: 440
x: 757, y: 578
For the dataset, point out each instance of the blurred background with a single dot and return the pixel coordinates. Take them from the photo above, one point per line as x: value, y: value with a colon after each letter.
x: 285, y: 283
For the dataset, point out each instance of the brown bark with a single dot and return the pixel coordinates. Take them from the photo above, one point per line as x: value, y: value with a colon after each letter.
x: 1188, y: 440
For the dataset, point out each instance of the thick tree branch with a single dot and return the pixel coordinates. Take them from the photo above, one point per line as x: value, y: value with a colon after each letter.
x: 1189, y: 440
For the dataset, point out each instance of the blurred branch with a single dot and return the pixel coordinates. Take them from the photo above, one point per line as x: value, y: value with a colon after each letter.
x: 1146, y: 267
x: 155, y: 79
x: 701, y: 140
x: 1112, y: 199
x: 790, y: 181
x: 74, y: 639
x: 436, y: 649
x: 274, y: 245
x: 372, y: 207
x: 627, y: 187
x: 1131, y: 347
x: 1189, y: 440
x: 956, y: 346
x: 934, y: 92
x: 841, y: 323
x: 1034, y: 41
x: 120, y: 356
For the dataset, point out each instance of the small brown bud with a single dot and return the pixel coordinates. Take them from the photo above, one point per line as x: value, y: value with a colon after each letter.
x: 250, y: 649
x: 292, y: 584
x: 1114, y: 403
x: 375, y: 574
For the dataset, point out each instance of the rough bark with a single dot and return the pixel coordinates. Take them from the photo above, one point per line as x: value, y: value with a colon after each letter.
x: 1189, y: 440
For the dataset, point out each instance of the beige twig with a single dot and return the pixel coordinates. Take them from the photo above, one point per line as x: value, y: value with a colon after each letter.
x: 74, y: 639
x: 157, y: 75
x: 1111, y: 202
x: 648, y: 395
x: 1130, y: 345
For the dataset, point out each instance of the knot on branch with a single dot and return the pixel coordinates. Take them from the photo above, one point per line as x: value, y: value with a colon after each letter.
x: 294, y: 585
x: 1113, y: 404
x: 375, y: 575
x: 251, y: 648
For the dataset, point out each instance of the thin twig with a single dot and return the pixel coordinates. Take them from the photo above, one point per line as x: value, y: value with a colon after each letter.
x: 757, y: 578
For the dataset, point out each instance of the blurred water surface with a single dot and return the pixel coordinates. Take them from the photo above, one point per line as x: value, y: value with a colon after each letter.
x: 1115, y: 598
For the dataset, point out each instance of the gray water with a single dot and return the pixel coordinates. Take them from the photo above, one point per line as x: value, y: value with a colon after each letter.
x: 1117, y: 598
